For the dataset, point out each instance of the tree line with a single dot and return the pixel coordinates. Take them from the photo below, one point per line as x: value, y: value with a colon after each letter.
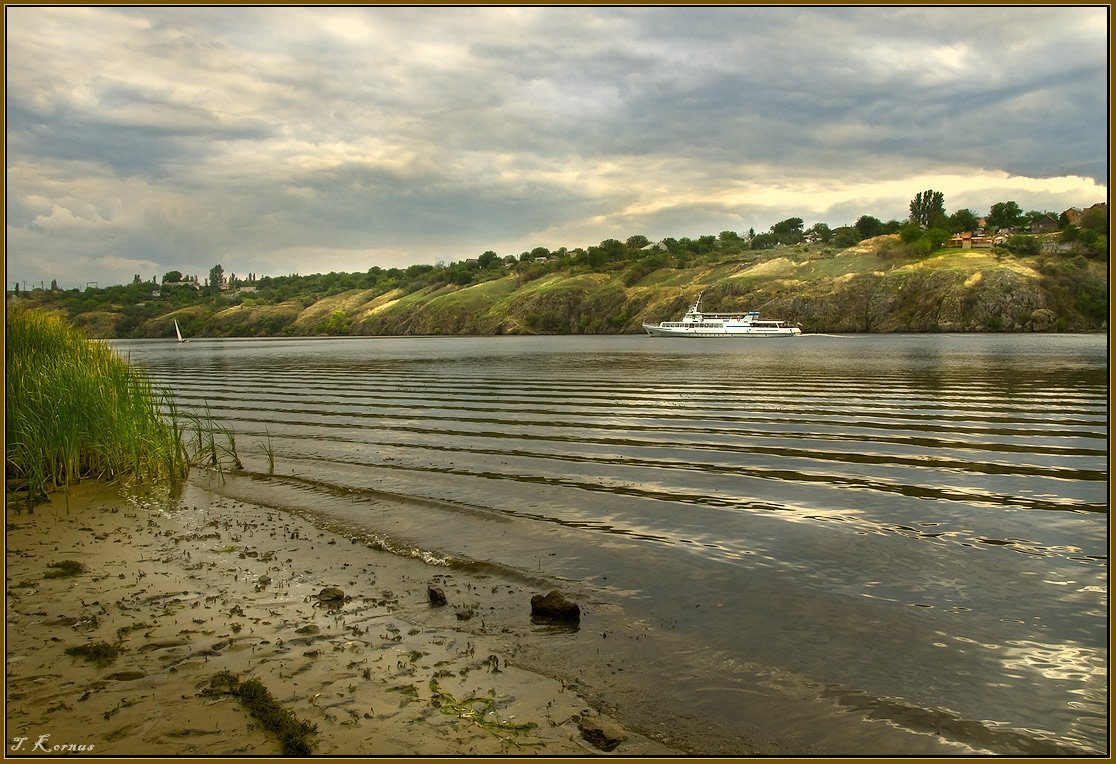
x: 927, y: 228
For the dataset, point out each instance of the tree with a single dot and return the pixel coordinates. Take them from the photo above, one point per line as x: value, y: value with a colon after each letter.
x: 638, y: 241
x: 595, y: 257
x: 1005, y: 215
x: 922, y: 241
x: 822, y: 231
x: 613, y: 249
x: 928, y: 208
x: 458, y: 273
x: 788, y: 231
x: 1095, y: 219
x: 216, y: 277
x: 867, y: 226
x: 1034, y: 216
x: 963, y: 220
x: 172, y: 276
x: 487, y: 258
x: 54, y: 285
x: 844, y: 237
x: 764, y: 241
x: 1021, y: 244
x: 910, y: 233
x: 790, y: 225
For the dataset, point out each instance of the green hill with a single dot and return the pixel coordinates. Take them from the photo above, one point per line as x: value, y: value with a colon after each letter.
x: 879, y: 285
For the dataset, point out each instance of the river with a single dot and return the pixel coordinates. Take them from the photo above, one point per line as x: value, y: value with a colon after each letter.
x: 861, y: 544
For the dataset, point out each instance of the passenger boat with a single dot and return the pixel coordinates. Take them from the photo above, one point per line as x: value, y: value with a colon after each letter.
x: 698, y: 324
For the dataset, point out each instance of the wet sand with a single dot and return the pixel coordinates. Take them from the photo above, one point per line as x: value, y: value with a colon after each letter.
x: 205, y: 584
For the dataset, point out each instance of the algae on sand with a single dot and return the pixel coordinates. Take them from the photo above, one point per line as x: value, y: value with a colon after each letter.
x: 259, y: 701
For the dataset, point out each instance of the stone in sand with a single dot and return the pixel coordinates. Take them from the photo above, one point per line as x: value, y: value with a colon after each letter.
x: 437, y: 596
x: 602, y: 733
x: 555, y: 607
x: 331, y: 594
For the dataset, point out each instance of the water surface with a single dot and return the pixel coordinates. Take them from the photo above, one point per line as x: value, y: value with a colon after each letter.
x: 857, y: 544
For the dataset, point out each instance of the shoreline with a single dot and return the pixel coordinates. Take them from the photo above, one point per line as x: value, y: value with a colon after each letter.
x: 191, y: 587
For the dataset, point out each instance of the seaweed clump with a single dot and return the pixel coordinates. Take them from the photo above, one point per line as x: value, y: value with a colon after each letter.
x: 99, y: 653
x: 64, y: 569
x: 259, y: 701
x: 480, y: 710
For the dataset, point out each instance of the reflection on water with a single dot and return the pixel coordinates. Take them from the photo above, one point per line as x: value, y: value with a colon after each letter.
x: 917, y: 523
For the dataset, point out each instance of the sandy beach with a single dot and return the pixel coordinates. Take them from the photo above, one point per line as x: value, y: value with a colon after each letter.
x: 185, y: 589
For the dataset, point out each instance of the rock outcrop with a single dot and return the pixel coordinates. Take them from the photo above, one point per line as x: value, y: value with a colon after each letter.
x: 555, y: 607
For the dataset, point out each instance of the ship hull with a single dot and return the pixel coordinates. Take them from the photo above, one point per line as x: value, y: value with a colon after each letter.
x: 700, y: 331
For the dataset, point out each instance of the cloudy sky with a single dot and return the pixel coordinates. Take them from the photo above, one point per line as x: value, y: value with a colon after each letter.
x: 283, y: 140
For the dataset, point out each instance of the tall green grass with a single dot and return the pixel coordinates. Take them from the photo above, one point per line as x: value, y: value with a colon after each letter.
x: 77, y: 410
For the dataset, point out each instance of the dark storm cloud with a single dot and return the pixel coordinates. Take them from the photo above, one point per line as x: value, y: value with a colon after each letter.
x: 288, y: 138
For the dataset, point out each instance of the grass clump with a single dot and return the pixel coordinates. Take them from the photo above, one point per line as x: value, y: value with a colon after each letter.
x: 103, y: 653
x: 99, y: 653
x: 75, y: 410
x: 269, y: 452
x: 207, y: 449
x: 280, y: 721
x: 123, y: 632
x: 64, y: 569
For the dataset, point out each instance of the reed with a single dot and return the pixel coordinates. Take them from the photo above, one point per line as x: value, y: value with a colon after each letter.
x: 268, y: 450
x: 230, y: 449
x: 77, y: 410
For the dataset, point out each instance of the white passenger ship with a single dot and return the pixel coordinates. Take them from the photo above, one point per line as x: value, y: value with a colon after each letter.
x: 698, y: 324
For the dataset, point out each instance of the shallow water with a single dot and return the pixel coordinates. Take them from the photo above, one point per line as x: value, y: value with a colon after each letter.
x: 859, y: 544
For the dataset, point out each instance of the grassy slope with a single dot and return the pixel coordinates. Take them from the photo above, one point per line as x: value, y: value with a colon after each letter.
x: 870, y: 287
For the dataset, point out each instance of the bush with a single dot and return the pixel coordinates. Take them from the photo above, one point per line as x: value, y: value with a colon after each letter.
x: 1023, y: 245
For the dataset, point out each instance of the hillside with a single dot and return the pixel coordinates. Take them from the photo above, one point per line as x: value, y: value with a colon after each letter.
x: 875, y: 286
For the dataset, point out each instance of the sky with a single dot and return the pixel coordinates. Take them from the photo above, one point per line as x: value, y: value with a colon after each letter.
x: 279, y: 140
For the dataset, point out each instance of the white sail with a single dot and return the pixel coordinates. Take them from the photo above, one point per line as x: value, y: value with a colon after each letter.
x: 178, y: 331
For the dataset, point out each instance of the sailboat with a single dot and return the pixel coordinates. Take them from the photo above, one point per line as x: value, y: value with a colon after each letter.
x: 178, y: 332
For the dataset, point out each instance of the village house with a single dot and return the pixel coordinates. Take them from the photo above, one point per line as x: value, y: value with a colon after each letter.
x: 974, y: 240
x: 189, y: 283
x: 1045, y: 224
